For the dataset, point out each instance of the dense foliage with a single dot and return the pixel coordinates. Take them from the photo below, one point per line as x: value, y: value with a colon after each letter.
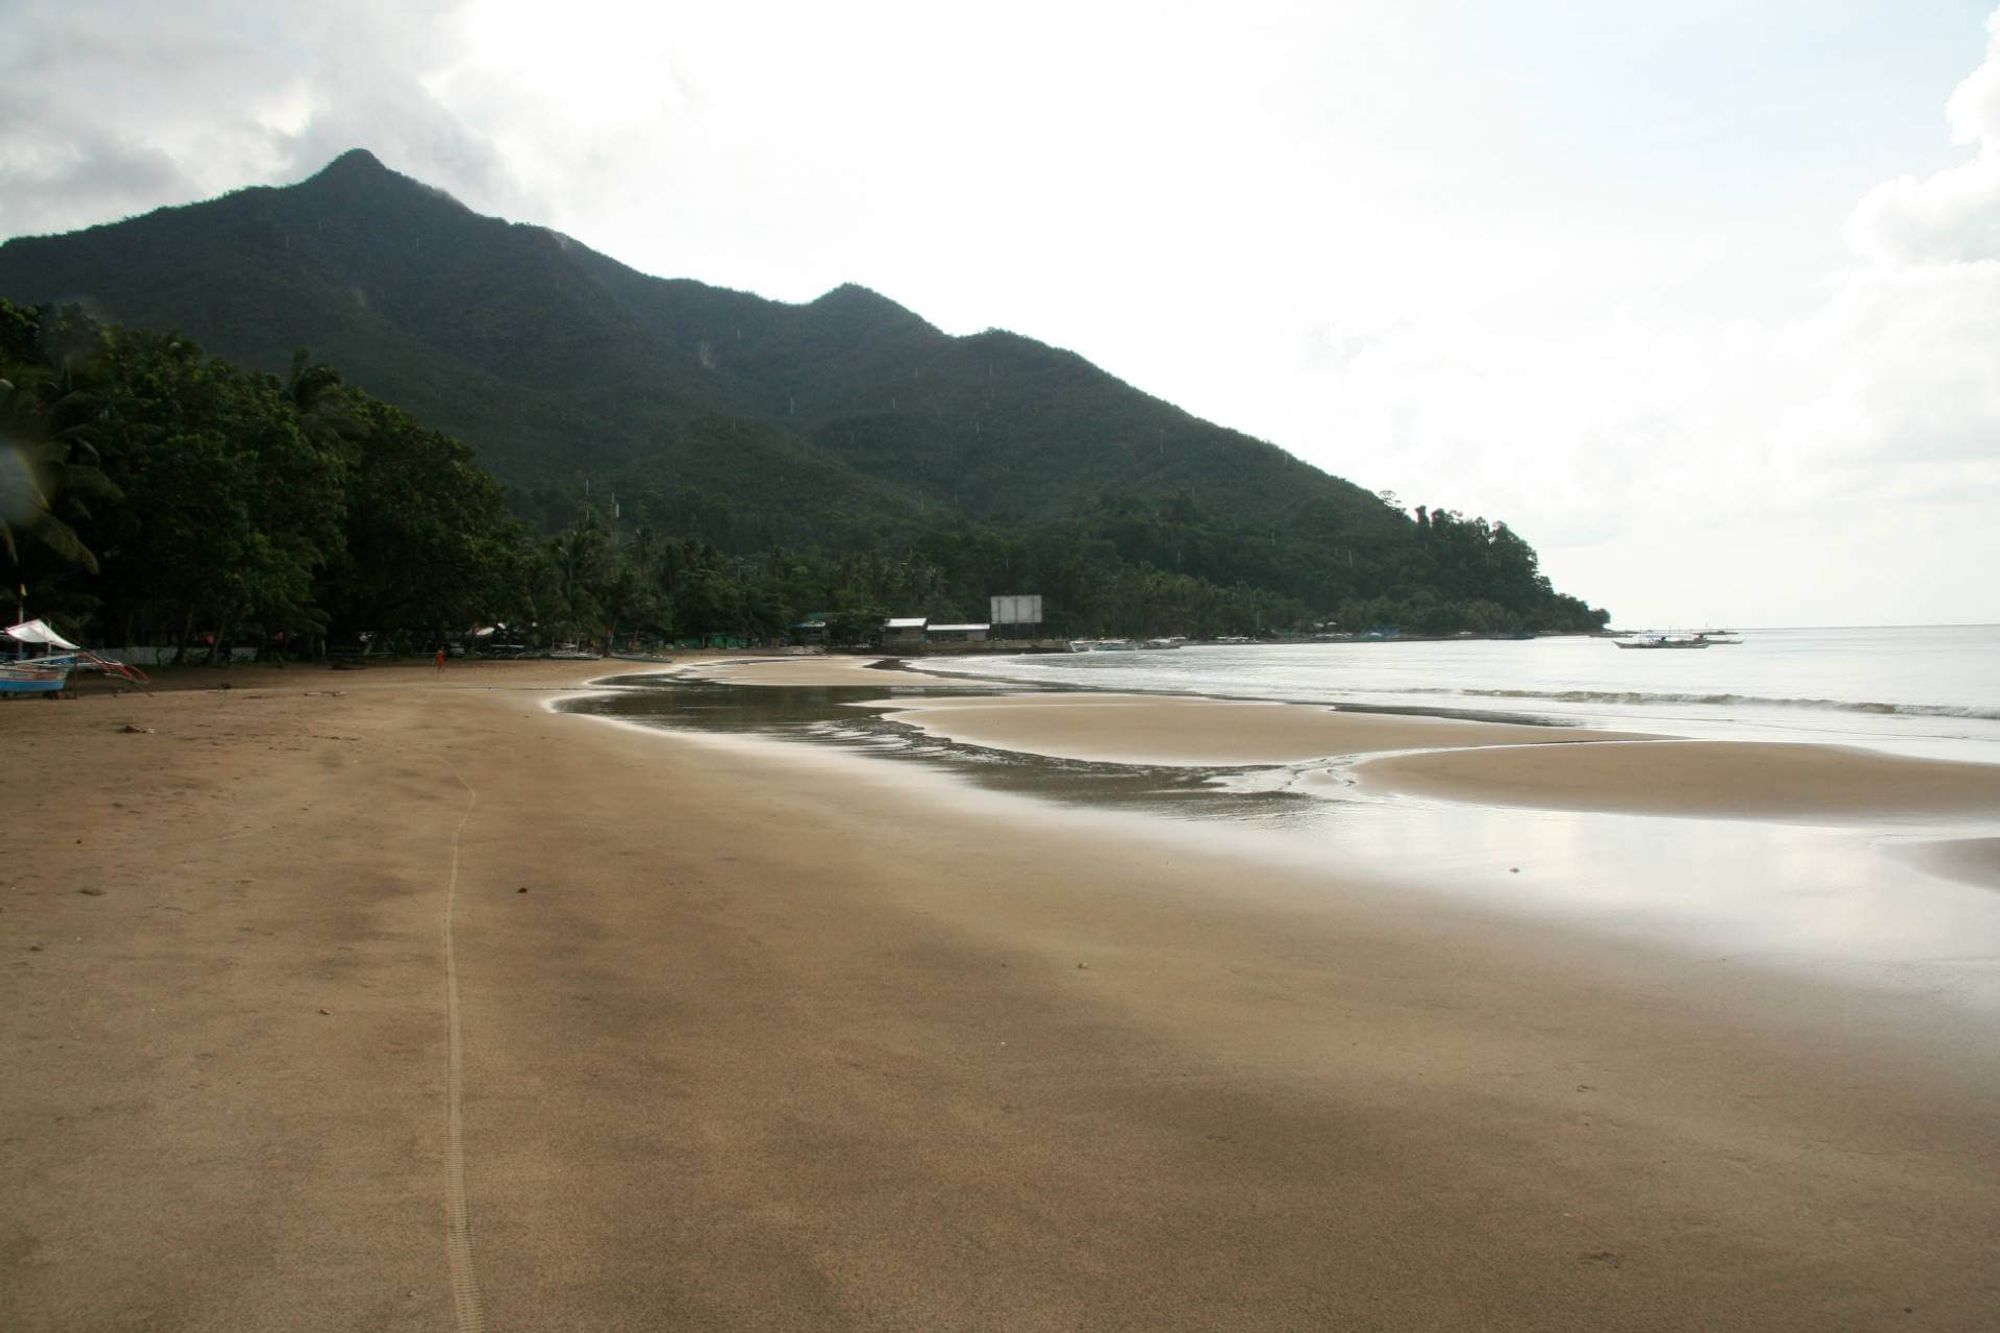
x: 157, y: 495
x: 766, y: 459
x: 190, y: 498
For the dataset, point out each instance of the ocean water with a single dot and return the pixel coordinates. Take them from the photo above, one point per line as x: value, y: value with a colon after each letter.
x: 1930, y: 691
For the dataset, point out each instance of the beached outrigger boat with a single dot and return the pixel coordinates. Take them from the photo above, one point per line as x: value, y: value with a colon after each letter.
x: 47, y: 671
x: 33, y: 677
x: 1103, y: 646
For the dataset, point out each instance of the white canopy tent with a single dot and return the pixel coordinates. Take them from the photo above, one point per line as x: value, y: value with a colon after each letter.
x: 38, y: 632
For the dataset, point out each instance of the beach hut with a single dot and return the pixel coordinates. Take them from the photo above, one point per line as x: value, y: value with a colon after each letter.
x: 904, y: 633
x: 957, y: 633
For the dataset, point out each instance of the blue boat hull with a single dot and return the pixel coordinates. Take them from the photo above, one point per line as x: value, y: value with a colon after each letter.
x: 13, y: 683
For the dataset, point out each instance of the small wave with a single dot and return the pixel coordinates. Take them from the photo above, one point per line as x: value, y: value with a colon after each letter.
x: 1731, y: 700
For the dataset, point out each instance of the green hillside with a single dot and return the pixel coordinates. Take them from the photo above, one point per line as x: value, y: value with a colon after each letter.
x: 846, y: 424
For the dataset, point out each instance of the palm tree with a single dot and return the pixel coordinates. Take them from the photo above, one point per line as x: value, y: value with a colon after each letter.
x: 319, y: 401
x: 45, y: 429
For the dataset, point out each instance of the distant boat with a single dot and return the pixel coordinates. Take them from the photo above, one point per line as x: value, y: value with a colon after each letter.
x: 1171, y: 641
x: 1665, y: 641
x: 1722, y: 636
x: 1103, y: 646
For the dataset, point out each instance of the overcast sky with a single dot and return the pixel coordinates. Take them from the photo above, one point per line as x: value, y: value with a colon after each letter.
x: 1703, y: 298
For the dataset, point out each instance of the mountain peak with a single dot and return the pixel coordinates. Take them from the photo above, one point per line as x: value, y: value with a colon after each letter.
x: 853, y: 301
x: 358, y: 178
x: 845, y: 423
x: 355, y: 163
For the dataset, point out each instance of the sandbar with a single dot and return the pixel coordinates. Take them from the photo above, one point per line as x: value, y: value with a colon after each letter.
x: 1744, y: 779
x: 815, y: 670
x: 759, y: 1036
x: 1178, y: 729
x: 1967, y: 860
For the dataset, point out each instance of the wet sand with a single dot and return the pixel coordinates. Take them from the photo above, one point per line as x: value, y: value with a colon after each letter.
x: 1967, y: 860
x: 783, y: 1039
x: 1761, y: 780
x: 1172, y: 729
x: 815, y: 670
x: 1560, y: 768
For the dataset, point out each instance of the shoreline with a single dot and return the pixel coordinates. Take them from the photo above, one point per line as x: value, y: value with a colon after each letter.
x: 1844, y: 855
x: 766, y: 1044
x: 1435, y: 755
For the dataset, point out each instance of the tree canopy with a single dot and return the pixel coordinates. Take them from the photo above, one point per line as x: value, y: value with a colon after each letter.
x: 172, y: 497
x: 844, y: 440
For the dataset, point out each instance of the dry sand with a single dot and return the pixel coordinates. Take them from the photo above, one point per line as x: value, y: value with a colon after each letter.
x: 1175, y: 729
x: 774, y: 1041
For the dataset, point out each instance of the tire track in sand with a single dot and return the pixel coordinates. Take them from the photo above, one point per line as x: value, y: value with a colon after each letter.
x: 468, y: 1309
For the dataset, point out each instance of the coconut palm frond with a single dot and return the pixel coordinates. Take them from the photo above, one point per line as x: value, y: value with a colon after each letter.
x: 34, y: 473
x: 21, y: 490
x: 62, y: 541
x: 78, y: 482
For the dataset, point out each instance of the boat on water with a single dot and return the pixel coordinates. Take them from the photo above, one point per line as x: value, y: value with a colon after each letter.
x: 1664, y: 641
x: 1718, y: 636
x: 1103, y: 646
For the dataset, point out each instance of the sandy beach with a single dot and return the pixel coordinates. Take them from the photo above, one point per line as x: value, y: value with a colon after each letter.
x: 765, y: 1037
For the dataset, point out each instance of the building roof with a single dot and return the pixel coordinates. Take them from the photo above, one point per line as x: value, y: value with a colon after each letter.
x: 906, y: 622
x: 961, y: 629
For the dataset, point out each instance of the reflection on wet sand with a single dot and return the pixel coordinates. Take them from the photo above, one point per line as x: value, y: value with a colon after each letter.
x: 852, y: 717
x: 1824, y: 898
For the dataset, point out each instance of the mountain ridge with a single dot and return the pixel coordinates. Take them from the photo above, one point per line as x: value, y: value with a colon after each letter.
x: 840, y: 421
x: 689, y: 319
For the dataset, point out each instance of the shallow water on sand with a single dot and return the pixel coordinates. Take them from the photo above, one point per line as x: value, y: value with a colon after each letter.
x: 1930, y: 691
x: 1837, y: 901
x: 831, y: 715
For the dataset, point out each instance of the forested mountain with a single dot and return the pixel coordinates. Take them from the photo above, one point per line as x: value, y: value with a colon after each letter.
x: 846, y: 426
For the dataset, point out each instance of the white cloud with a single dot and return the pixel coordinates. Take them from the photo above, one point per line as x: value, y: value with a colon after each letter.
x: 112, y: 108
x: 1755, y: 467
x: 1906, y: 349
x: 1951, y: 216
x: 1592, y: 282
